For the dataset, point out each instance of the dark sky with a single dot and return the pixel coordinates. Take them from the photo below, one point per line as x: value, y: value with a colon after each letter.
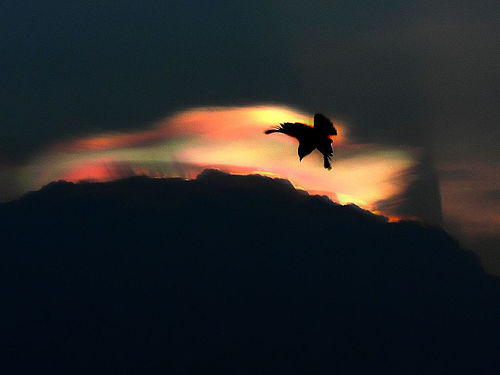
x: 400, y: 73
x: 392, y: 70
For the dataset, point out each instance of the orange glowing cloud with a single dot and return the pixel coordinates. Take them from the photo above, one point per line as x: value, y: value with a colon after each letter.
x: 231, y: 139
x: 111, y: 141
x: 209, y: 122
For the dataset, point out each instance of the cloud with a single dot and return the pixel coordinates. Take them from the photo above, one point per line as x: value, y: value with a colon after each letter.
x: 456, y: 174
x: 231, y: 139
x: 492, y: 195
x: 234, y: 274
x: 471, y: 197
x: 421, y: 198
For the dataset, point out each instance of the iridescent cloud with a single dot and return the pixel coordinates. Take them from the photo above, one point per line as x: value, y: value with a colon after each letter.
x: 231, y: 139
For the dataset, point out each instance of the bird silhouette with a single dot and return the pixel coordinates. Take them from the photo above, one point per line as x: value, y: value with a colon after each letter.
x: 311, y: 138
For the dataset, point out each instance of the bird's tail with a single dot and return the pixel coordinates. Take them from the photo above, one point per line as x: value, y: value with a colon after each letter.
x: 326, y: 163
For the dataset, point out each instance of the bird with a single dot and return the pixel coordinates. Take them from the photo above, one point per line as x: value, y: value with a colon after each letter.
x: 311, y: 138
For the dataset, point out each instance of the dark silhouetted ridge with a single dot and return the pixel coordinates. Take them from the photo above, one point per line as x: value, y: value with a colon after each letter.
x: 234, y: 275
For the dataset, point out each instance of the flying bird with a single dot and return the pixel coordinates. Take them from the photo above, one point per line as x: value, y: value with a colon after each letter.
x: 311, y: 138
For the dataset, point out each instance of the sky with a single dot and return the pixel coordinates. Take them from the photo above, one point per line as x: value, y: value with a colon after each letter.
x: 412, y: 85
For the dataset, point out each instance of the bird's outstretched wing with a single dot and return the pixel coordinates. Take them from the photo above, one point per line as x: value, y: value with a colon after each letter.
x: 323, y: 125
x: 297, y: 130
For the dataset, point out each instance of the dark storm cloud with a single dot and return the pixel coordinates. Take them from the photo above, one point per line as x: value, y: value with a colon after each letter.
x: 488, y: 248
x: 234, y: 275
